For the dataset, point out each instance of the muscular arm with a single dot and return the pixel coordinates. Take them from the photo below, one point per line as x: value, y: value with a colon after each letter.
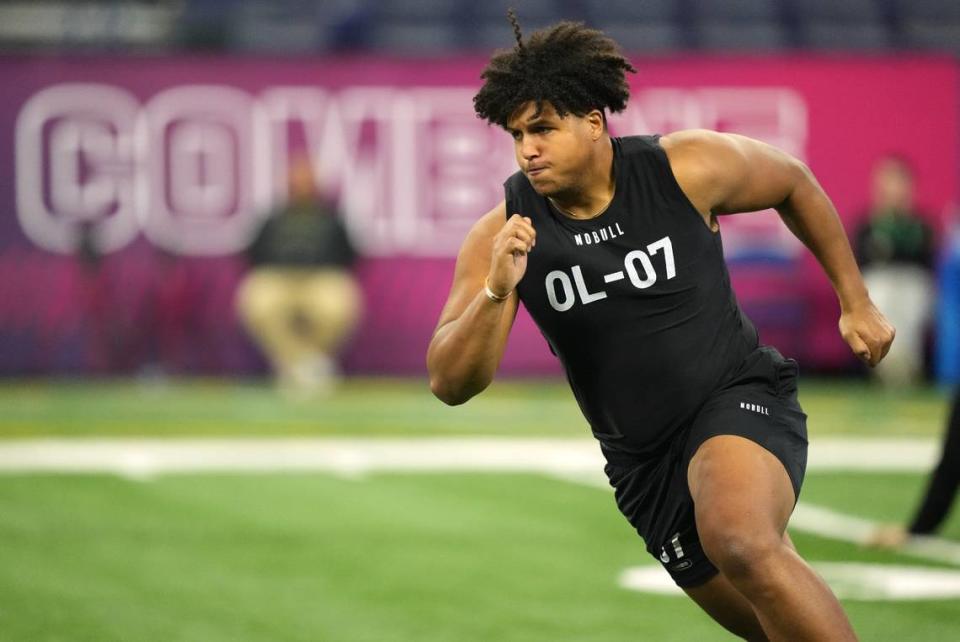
x: 472, y: 332
x: 726, y: 173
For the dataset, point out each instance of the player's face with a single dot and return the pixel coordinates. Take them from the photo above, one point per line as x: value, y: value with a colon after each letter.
x: 552, y: 151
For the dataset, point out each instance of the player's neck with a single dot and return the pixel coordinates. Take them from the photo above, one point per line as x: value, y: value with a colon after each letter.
x: 593, y: 196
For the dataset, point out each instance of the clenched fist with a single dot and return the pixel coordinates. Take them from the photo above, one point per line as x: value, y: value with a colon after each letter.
x: 508, y: 260
x: 867, y: 332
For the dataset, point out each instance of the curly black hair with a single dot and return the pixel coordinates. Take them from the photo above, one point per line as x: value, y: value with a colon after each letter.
x: 574, y: 68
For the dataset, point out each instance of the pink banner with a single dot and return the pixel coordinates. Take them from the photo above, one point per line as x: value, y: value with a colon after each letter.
x: 175, y: 160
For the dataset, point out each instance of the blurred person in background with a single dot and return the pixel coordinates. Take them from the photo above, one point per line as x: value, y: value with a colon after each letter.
x: 940, y: 494
x: 944, y: 482
x: 895, y: 249
x: 613, y: 246
x: 300, y: 299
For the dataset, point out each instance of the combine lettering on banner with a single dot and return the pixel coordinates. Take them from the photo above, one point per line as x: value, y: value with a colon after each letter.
x: 194, y: 167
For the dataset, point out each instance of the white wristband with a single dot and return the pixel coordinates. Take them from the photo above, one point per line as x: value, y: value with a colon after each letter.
x: 493, y: 296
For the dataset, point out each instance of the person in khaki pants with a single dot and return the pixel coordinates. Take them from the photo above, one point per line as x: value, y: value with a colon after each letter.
x: 300, y: 299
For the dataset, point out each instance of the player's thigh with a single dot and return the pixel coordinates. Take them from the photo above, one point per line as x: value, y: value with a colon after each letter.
x: 735, y: 482
x: 721, y: 601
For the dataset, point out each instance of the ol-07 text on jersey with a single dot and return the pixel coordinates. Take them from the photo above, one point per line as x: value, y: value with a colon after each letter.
x: 563, y: 292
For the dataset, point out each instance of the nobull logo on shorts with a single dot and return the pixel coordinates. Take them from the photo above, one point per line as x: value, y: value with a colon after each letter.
x: 753, y: 407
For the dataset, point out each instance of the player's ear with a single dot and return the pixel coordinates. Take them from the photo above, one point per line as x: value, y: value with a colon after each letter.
x: 596, y: 123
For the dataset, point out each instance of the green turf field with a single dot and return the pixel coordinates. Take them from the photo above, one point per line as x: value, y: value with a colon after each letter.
x: 382, y: 557
x: 385, y: 407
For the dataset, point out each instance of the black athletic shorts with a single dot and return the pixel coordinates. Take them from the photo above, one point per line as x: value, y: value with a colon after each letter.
x: 759, y: 403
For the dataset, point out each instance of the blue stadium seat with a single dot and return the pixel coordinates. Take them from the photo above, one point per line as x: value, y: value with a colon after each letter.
x: 431, y: 11
x: 491, y: 29
x: 528, y: 11
x: 933, y: 36
x: 491, y: 35
x: 928, y: 10
x: 841, y: 24
x: 631, y: 11
x: 284, y: 27
x: 849, y: 11
x: 292, y: 26
x: 415, y: 38
x: 930, y: 24
x: 206, y: 9
x: 736, y: 10
x: 837, y: 36
x: 202, y: 23
x: 737, y: 25
x: 645, y: 37
x: 745, y: 36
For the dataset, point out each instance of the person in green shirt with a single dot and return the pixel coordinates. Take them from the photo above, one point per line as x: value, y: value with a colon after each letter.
x: 895, y: 249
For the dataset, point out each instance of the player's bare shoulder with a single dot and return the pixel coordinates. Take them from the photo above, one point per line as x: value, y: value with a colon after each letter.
x: 687, y: 138
x: 697, y: 158
x: 700, y: 152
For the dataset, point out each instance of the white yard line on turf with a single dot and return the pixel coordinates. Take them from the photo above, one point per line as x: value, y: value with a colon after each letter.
x: 577, y: 460
x: 849, y: 581
x: 335, y: 455
x: 361, y: 455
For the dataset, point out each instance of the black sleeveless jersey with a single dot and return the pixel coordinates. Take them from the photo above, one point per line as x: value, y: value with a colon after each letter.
x: 636, y: 302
